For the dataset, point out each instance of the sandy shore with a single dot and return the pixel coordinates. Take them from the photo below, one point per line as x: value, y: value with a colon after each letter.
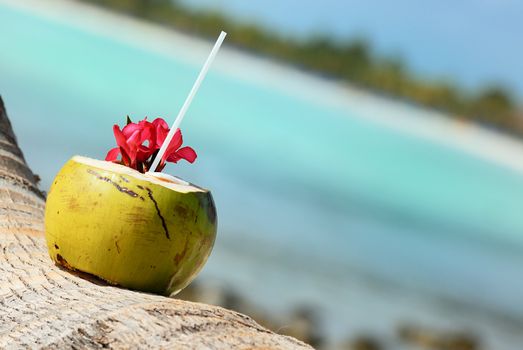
x: 433, y: 126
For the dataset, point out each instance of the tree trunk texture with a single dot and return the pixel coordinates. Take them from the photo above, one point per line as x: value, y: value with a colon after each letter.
x: 43, y: 306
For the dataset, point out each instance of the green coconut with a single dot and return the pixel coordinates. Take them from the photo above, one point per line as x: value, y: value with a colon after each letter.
x: 150, y: 232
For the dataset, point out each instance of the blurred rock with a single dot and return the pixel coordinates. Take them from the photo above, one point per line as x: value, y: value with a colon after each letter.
x: 437, y: 340
x: 462, y: 342
x: 304, y: 324
x: 201, y: 293
x: 363, y: 343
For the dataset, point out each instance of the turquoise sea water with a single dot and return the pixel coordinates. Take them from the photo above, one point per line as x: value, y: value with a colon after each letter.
x: 314, y: 200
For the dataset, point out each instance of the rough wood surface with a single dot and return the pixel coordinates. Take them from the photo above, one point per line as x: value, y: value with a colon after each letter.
x: 42, y: 306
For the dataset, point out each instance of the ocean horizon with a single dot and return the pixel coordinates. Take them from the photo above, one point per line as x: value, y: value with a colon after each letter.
x: 327, y: 195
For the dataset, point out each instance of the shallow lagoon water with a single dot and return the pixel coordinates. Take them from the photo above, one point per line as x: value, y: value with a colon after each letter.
x: 317, y: 203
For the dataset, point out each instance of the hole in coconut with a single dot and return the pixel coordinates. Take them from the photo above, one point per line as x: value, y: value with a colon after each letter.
x: 168, y: 178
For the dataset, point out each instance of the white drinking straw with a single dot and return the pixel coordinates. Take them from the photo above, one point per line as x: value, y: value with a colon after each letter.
x: 188, y: 101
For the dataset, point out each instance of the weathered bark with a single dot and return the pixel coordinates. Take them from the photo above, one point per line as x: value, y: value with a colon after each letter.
x: 43, y: 306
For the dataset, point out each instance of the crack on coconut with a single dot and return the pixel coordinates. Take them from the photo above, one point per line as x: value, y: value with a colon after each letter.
x: 150, y: 192
x: 117, y: 186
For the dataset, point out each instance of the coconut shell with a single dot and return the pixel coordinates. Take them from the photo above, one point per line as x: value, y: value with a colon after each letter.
x: 134, y: 230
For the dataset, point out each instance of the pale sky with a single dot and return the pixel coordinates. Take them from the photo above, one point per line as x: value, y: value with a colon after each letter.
x: 472, y: 41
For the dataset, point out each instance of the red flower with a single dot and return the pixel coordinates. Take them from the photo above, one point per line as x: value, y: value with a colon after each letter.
x: 138, y: 144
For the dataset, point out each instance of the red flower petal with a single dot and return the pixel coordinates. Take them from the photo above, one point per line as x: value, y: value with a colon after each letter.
x: 144, y: 153
x: 126, y: 160
x: 176, y: 142
x: 113, y: 154
x: 159, y: 122
x: 129, y: 129
x: 134, y: 139
x: 138, y: 142
x: 121, y: 140
x: 186, y: 153
x: 161, y: 130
